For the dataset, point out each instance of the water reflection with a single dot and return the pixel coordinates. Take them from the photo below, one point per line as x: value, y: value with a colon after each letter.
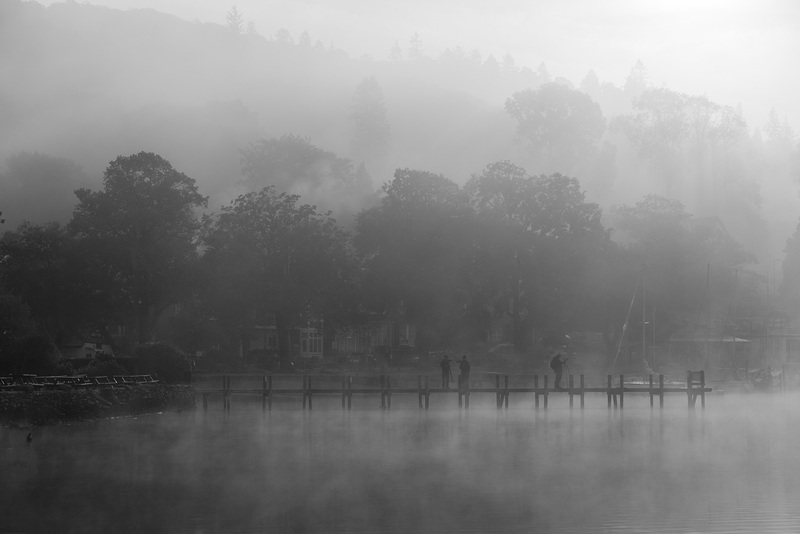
x: 732, y: 468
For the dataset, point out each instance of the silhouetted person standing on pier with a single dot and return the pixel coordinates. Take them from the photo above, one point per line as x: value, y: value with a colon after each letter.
x: 447, y: 375
x: 557, y: 365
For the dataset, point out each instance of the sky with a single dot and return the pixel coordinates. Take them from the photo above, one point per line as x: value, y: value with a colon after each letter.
x: 732, y: 51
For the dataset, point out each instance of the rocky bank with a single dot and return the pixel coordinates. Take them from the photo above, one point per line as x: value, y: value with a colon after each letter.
x: 64, y: 405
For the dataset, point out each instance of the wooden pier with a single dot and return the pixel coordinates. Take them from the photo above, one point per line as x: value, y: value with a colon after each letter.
x: 386, y: 388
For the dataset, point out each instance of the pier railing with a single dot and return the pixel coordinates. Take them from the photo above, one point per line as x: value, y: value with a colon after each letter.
x: 307, y: 387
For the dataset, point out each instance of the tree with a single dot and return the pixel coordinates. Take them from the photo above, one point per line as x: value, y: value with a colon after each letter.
x: 416, y: 251
x: 293, y: 165
x: 677, y: 250
x: 636, y: 82
x: 269, y: 254
x: 658, y: 127
x: 561, y: 124
x: 234, y: 22
x: 141, y: 234
x: 41, y: 265
x: 538, y: 233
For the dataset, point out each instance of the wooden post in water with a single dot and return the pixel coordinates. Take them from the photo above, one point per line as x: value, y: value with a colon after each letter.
x: 427, y: 393
x: 466, y: 394
x: 570, y: 390
x: 505, y: 393
x: 309, y: 392
x: 583, y: 391
x: 264, y: 393
x: 383, y: 391
x: 224, y: 393
x: 349, y: 392
x: 536, y: 391
x: 608, y: 392
x: 661, y: 391
x: 783, y: 379
x: 497, y: 391
x: 205, y: 402
x: 689, y: 387
x: 419, y: 390
x: 388, y: 392
x: 545, y: 391
x: 702, y: 389
x: 305, y: 379
x: 651, y: 390
x: 344, y: 392
x: 621, y: 390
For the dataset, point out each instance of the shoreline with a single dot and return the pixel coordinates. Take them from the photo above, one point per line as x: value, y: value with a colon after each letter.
x: 69, y: 405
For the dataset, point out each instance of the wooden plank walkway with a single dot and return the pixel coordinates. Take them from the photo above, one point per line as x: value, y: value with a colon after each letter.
x: 694, y: 388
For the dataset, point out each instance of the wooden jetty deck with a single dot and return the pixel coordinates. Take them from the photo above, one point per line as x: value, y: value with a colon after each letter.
x: 388, y: 386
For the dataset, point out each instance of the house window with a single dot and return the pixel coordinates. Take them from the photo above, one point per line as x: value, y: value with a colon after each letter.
x: 311, y: 342
x: 315, y: 341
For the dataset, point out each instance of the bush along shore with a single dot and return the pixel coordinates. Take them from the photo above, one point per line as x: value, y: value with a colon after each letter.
x: 67, y: 405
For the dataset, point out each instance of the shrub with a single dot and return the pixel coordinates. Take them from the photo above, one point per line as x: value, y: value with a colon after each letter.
x: 166, y: 362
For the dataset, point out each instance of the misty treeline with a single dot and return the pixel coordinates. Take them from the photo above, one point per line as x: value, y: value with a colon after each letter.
x: 528, y: 250
x: 217, y: 115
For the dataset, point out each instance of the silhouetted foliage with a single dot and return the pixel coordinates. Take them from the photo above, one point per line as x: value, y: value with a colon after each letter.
x: 142, y: 230
x: 163, y: 361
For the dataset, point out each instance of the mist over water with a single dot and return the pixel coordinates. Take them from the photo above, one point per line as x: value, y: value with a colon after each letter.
x: 732, y: 468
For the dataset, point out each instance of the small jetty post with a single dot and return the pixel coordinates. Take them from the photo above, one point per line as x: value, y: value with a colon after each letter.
x: 383, y: 391
x: 269, y: 392
x: 545, y: 391
x: 305, y: 379
x: 702, y: 389
x: 349, y: 392
x: 419, y: 390
x: 536, y: 391
x: 611, y: 392
x: 497, y: 391
x: 265, y: 387
x: 309, y: 392
x: 570, y: 389
x: 205, y: 402
x: 388, y: 392
x: 427, y: 393
x: 783, y: 378
x: 661, y: 391
x: 689, y: 388
x: 344, y: 392
x: 463, y: 392
x: 226, y: 393
x: 651, y: 390
x: 621, y: 390
x: 505, y: 393
x: 583, y: 392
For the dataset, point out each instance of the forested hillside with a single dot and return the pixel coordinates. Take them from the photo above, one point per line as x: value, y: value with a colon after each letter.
x: 434, y: 166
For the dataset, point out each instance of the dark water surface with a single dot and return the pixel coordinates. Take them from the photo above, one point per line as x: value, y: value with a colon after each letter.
x: 733, y: 468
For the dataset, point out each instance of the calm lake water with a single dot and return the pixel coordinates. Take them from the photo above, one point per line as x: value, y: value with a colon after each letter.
x: 733, y: 468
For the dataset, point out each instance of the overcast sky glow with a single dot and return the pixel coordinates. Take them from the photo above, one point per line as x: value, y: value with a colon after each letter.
x: 733, y: 51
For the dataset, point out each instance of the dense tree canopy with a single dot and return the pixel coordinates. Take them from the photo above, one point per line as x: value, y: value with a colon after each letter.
x: 560, y: 123
x: 538, y: 234
x: 292, y: 164
x: 416, y: 251
x: 140, y: 234
x: 267, y: 253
